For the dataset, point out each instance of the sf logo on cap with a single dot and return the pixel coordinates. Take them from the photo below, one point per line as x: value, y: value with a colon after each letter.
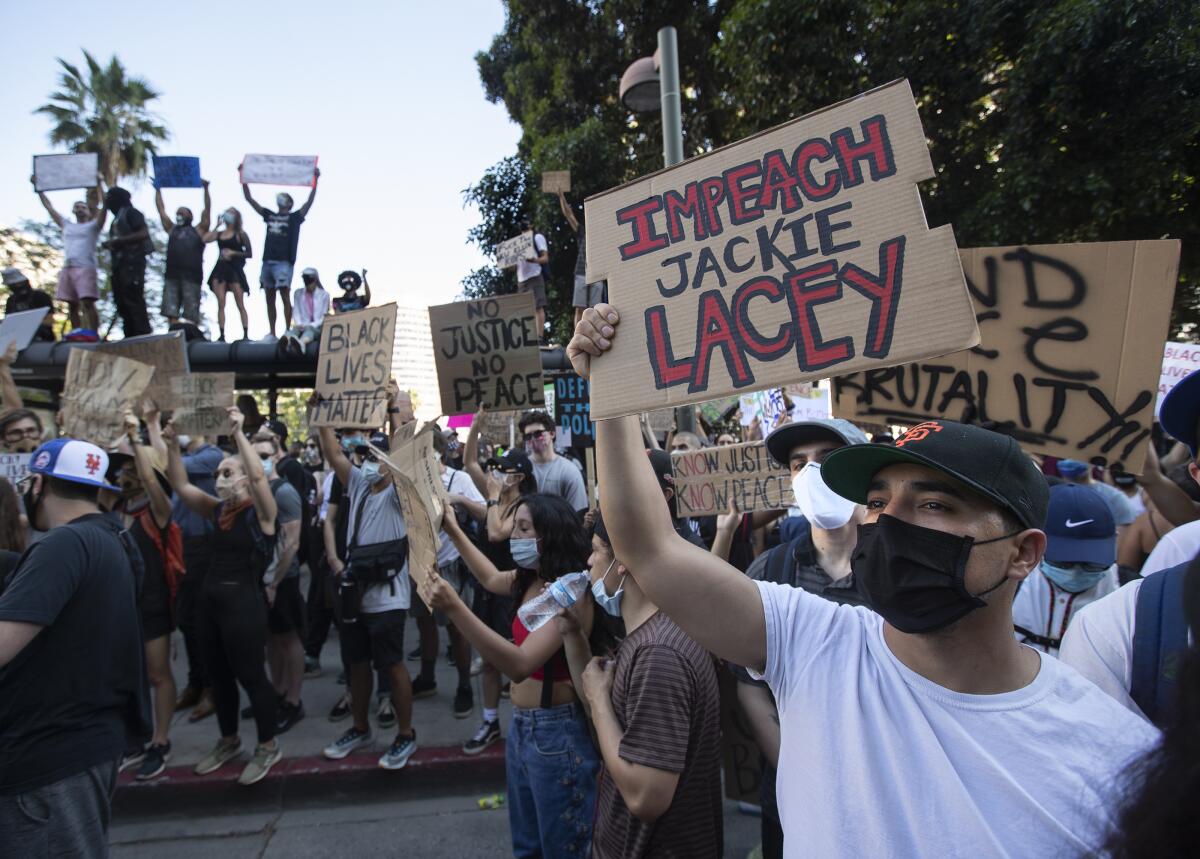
x: 92, y: 463
x: 919, y: 432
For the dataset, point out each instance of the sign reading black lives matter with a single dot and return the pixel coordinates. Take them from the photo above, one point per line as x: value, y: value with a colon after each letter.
x: 487, y: 354
x: 789, y: 256
x: 354, y: 367
x: 1070, y: 356
x: 572, y: 409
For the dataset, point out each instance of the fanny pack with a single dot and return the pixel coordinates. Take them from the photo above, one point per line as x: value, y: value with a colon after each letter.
x: 374, y: 563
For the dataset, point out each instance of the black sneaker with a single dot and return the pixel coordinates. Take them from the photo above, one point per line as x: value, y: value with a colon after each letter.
x: 414, y: 655
x: 154, y: 762
x: 487, y: 735
x: 504, y: 690
x: 341, y: 710
x: 288, y: 715
x: 386, y: 714
x: 423, y: 688
x: 464, y: 702
x: 131, y: 758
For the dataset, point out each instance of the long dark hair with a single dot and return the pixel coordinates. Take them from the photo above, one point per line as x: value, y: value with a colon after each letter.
x: 1161, y: 819
x: 12, y: 535
x: 564, y: 542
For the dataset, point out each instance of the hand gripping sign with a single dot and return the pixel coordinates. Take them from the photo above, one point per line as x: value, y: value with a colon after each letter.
x: 794, y: 254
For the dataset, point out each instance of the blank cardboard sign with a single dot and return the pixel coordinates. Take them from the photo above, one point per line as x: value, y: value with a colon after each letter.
x: 555, y: 181
x: 1070, y: 356
x: 791, y: 255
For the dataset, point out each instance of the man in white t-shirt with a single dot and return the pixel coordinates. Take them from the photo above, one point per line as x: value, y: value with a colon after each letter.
x: 77, y: 282
x: 529, y: 276
x: 556, y: 475
x: 951, y: 737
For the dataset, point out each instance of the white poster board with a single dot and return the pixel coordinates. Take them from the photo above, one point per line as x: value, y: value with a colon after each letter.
x: 21, y: 327
x: 512, y: 251
x: 58, y: 172
x: 14, y: 466
x: 260, y: 169
x: 1179, y: 361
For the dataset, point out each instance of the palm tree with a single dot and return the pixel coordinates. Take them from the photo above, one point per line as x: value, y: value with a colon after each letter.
x: 106, y: 113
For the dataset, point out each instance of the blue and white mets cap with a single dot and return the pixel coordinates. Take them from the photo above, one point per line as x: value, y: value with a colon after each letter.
x: 73, y: 460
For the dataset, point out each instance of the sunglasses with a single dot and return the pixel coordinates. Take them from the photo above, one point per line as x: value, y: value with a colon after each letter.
x: 530, y: 436
x: 15, y: 434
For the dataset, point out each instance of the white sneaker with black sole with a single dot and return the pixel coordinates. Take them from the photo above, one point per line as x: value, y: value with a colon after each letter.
x: 346, y: 743
x: 399, y: 752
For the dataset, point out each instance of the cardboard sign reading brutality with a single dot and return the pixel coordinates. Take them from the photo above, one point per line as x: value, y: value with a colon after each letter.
x: 707, y: 480
x: 554, y: 181
x: 797, y: 253
x: 1070, y: 356
x: 177, y: 171
x: 59, y: 172
x: 572, y: 409
x: 487, y: 354
x: 279, y: 170
x: 98, y: 391
x: 512, y: 251
x: 166, y: 354
x: 353, y: 368
x: 418, y: 483
x: 203, y: 400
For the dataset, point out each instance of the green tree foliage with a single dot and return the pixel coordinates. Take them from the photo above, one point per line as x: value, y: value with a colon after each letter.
x: 1073, y: 120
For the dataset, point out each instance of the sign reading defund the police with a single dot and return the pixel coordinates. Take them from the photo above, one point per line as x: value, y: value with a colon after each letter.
x: 487, y: 354
x: 792, y: 255
x: 707, y: 480
x: 1070, y: 356
x: 353, y: 369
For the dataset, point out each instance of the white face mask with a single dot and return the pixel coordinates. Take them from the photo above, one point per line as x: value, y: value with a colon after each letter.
x: 823, y: 507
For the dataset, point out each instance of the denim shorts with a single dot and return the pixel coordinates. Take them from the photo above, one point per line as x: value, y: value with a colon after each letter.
x: 276, y: 274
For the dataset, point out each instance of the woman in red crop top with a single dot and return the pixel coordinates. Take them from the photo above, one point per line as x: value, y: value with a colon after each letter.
x: 550, y: 760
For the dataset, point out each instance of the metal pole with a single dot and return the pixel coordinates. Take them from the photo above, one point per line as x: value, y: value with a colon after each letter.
x: 672, y: 123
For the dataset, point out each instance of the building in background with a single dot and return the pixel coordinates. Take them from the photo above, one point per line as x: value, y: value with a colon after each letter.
x: 412, y: 361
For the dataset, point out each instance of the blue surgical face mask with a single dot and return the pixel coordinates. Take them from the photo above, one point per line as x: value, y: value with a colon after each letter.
x: 610, y: 604
x: 268, y: 467
x: 370, y: 471
x: 349, y: 442
x: 524, y: 551
x: 1072, y: 468
x: 1073, y: 579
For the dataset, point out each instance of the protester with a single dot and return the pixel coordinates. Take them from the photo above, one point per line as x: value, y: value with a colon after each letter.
x: 22, y: 296
x: 21, y: 429
x: 931, y: 681
x: 233, y: 611
x: 12, y: 530
x: 1078, y: 568
x: 725, y: 439
x: 229, y: 273
x: 279, y: 249
x: 586, y: 294
x: 129, y: 242
x: 310, y: 304
x: 1080, y: 473
x: 551, y: 797
x: 1127, y: 484
x: 656, y: 712
x: 185, y: 259
x: 350, y: 300
x: 1139, y: 541
x: 254, y: 419
x: 72, y: 662
x: 688, y: 529
x: 529, y: 277
x: 78, y: 283
x: 556, y: 475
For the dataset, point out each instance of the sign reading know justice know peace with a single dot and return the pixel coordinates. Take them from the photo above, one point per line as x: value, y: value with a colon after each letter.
x: 792, y: 255
x: 707, y: 480
x: 354, y: 367
x: 1070, y: 356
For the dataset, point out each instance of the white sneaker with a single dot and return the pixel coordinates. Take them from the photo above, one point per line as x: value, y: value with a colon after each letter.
x: 270, y: 338
x: 476, y: 666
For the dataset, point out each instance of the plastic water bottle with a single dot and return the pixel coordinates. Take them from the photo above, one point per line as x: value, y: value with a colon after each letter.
x: 562, y: 593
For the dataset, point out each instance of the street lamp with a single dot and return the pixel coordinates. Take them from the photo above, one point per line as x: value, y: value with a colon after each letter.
x: 652, y: 83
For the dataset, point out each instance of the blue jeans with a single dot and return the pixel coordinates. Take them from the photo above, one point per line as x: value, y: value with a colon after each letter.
x: 552, y: 768
x: 276, y: 274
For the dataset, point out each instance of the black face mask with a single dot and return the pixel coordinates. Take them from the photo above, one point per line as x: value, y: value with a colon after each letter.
x: 914, y: 577
x: 31, y: 506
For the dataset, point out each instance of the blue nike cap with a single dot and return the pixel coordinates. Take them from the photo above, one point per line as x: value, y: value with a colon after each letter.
x: 1079, y: 526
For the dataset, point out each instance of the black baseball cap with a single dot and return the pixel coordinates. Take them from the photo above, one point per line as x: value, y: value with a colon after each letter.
x: 660, y: 461
x: 513, y: 462
x: 1180, y: 411
x: 279, y: 428
x: 987, y: 462
x: 1079, y: 526
x: 379, y: 440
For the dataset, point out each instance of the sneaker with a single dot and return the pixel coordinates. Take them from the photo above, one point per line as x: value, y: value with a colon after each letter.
x: 487, y: 735
x: 346, y: 743
x: 476, y: 666
x: 422, y: 688
x: 341, y: 710
x: 504, y: 690
x: 414, y: 655
x: 288, y: 715
x: 399, y: 752
x: 312, y: 667
x: 187, y: 699
x: 222, y: 753
x: 464, y: 702
x: 264, y: 758
x: 386, y: 714
x: 269, y: 338
x: 131, y: 758
x: 154, y: 762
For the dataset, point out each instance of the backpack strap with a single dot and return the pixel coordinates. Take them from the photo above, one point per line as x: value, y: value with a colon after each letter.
x: 1160, y: 639
x: 1034, y: 638
x: 781, y: 559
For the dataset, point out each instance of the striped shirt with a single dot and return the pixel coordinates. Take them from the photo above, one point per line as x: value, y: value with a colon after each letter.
x: 666, y: 700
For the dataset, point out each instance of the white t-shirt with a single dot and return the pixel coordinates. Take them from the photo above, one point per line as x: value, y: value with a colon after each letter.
x: 875, y: 760
x: 1176, y: 547
x: 526, y: 269
x: 1099, y: 643
x: 79, y: 243
x: 456, y: 483
x: 1045, y: 609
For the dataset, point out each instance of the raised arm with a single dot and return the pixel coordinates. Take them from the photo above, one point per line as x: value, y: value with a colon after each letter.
x: 471, y: 455
x: 710, y: 600
x: 160, y: 504
x: 206, y: 212
x: 481, y: 568
x: 253, y: 203
x: 366, y: 288
x: 10, y: 397
x: 311, y: 194
x: 50, y: 210
x: 193, y: 496
x: 335, y: 456
x: 167, y: 223
x: 1171, y: 501
x: 260, y: 487
x: 565, y: 208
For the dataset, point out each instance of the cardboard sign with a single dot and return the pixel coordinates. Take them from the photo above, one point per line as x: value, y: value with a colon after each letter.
x: 486, y: 352
x: 809, y: 403
x: 177, y: 171
x: 203, y: 400
x: 554, y: 181
x: 14, y: 466
x: 572, y: 410
x: 1179, y: 361
x: 58, y: 172
x: 417, y: 478
x: 21, y: 327
x: 98, y: 391
x: 796, y: 253
x: 662, y: 420
x: 279, y: 170
x: 512, y: 251
x: 1070, y: 359
x: 741, y: 758
x: 706, y: 480
x: 353, y: 368
x: 165, y: 353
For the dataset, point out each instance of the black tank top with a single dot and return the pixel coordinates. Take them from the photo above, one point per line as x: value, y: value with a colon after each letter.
x: 239, y: 554
x: 233, y: 244
x: 185, y: 252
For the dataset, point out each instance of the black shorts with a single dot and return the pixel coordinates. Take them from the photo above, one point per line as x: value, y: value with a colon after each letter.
x: 495, y: 610
x: 376, y: 637
x: 287, y: 613
x: 156, y: 624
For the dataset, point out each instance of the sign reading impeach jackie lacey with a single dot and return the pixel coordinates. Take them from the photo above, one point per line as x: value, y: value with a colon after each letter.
x: 793, y: 255
x: 1070, y: 357
x: 707, y: 480
x: 353, y: 369
x: 487, y: 354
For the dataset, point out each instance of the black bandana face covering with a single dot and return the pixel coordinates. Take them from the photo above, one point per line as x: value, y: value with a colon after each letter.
x: 913, y: 577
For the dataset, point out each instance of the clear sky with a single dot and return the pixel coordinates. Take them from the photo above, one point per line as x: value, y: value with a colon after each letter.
x: 385, y: 93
